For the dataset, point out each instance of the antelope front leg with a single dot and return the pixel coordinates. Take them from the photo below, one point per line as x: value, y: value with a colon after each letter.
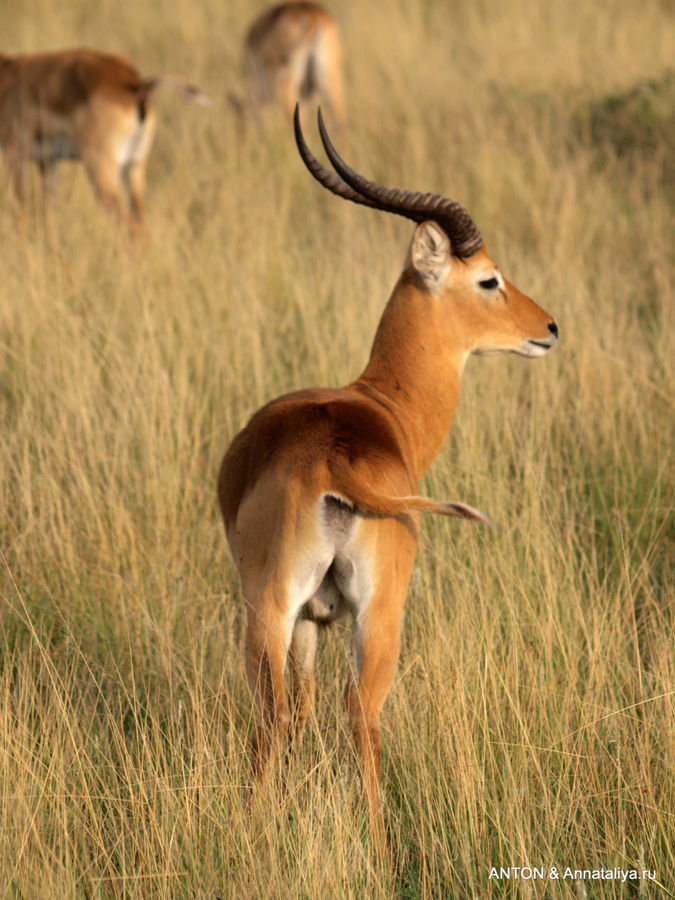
x: 301, y: 668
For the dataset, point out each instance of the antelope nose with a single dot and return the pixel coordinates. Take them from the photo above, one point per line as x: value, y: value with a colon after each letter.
x: 553, y: 328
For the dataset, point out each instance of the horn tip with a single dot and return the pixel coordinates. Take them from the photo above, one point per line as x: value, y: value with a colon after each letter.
x: 299, y: 137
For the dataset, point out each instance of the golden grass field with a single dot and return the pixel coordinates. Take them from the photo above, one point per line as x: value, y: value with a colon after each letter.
x: 532, y: 720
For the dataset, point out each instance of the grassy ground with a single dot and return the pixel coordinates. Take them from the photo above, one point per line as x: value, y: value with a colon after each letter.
x: 532, y: 722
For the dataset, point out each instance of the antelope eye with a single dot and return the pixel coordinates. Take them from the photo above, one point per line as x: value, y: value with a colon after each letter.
x: 489, y: 284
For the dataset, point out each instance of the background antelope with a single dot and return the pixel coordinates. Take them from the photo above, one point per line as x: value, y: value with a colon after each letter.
x: 81, y: 105
x: 292, y: 52
x: 318, y: 492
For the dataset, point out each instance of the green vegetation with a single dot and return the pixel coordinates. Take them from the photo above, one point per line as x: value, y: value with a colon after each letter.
x: 642, y: 118
x: 532, y: 721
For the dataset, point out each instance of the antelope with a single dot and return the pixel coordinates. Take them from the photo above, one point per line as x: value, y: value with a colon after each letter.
x: 319, y: 491
x: 292, y: 52
x: 81, y: 105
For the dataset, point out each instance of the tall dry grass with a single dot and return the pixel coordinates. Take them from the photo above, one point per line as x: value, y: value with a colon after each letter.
x: 532, y: 721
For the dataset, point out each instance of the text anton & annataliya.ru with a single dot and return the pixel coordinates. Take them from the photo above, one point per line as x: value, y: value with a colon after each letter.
x: 556, y: 873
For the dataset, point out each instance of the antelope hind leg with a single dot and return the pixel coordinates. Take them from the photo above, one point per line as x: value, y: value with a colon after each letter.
x: 267, y: 642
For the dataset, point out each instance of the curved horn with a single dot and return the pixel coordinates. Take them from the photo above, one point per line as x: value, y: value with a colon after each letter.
x: 464, y: 235
x: 324, y: 176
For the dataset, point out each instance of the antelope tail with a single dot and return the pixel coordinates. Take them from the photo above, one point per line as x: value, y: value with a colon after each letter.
x: 363, y: 498
x: 193, y: 92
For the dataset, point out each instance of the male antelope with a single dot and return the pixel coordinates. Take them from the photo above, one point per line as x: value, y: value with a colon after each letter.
x: 292, y: 52
x: 318, y: 492
x: 80, y: 104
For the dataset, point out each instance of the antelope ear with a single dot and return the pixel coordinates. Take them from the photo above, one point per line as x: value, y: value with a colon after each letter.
x: 430, y: 253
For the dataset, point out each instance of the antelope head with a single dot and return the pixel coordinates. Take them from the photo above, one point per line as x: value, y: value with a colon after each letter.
x: 447, y: 259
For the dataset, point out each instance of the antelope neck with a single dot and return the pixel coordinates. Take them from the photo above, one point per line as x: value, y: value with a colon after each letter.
x: 415, y: 370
